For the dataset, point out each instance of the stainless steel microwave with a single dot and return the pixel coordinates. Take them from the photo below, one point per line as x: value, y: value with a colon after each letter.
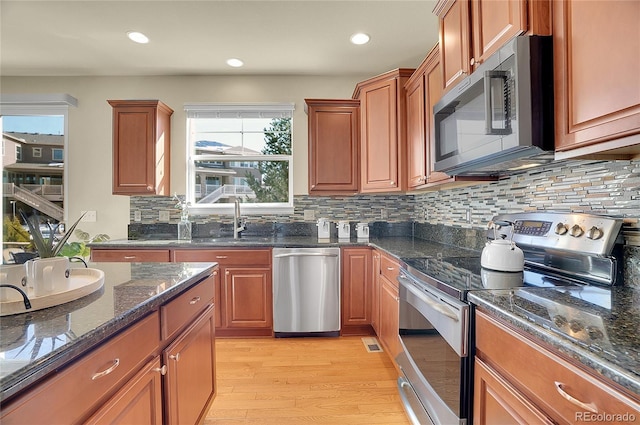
x: 499, y: 119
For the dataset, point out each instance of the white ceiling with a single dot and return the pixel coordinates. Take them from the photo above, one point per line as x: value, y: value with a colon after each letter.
x: 274, y: 37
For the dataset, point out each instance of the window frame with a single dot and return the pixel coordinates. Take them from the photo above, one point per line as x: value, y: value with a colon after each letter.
x: 227, y: 110
x: 36, y: 152
x: 44, y: 104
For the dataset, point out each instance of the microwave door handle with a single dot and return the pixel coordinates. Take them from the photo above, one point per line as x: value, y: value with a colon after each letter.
x: 488, y: 103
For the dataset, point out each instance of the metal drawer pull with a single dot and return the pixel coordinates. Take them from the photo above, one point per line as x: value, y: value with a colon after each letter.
x: 107, y: 371
x: 175, y: 357
x: 162, y: 370
x: 391, y: 268
x: 589, y: 407
x: 129, y: 257
x: 194, y: 300
x: 221, y: 257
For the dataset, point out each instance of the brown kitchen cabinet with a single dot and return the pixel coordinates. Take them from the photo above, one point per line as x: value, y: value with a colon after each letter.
x: 191, y: 375
x: 139, y: 402
x: 357, y: 278
x: 554, y: 391
x: 141, y: 147
x: 375, y: 293
x: 472, y: 30
x: 334, y: 137
x: 383, y: 132
x: 597, y: 79
x: 389, y: 306
x: 130, y: 255
x: 246, y: 298
x: 72, y: 394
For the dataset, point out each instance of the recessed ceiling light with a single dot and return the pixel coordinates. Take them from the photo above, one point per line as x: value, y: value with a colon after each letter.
x: 360, y: 38
x: 236, y: 63
x: 138, y: 37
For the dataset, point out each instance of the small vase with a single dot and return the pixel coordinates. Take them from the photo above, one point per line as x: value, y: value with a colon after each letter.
x: 184, y: 230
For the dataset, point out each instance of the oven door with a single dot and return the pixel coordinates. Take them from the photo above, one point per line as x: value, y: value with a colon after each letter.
x: 434, y: 330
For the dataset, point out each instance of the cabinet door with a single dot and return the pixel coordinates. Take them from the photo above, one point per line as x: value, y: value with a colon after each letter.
x: 248, y: 297
x: 375, y: 294
x: 597, y: 76
x: 356, y: 291
x: 389, y: 320
x: 141, y: 147
x: 138, y: 402
x: 417, y: 148
x: 334, y: 138
x: 190, y: 378
x: 130, y: 255
x: 455, y: 47
x: 494, y: 23
x: 495, y: 401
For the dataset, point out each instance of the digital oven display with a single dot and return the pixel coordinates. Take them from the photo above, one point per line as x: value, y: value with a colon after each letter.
x: 531, y: 227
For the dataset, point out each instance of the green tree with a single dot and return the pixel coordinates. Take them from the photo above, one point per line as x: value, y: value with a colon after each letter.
x: 274, y: 186
x: 13, y: 231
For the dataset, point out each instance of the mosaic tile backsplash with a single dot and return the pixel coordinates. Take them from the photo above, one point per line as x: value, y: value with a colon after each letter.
x: 600, y: 187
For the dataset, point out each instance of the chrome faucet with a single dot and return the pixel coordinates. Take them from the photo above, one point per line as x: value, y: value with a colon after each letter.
x: 238, y: 222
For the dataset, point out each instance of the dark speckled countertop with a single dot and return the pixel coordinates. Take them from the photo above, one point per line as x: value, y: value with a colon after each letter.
x: 598, y: 328
x: 36, y: 343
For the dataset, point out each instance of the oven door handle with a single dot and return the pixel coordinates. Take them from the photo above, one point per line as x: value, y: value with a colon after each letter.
x: 440, y: 308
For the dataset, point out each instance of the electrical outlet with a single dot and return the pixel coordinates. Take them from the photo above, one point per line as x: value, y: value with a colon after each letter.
x: 309, y: 215
x: 163, y: 216
x: 384, y: 214
x: 89, y: 216
x: 137, y: 215
x: 468, y: 216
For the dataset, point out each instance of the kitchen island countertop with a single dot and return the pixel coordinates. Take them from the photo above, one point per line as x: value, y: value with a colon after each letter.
x: 34, y: 344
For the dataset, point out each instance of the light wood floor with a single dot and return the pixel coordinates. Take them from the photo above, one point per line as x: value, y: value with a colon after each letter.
x: 304, y: 381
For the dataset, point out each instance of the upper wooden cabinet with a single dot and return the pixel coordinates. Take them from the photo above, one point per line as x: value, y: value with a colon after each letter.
x: 141, y: 147
x: 383, y: 131
x: 471, y: 30
x: 334, y: 137
x: 597, y: 78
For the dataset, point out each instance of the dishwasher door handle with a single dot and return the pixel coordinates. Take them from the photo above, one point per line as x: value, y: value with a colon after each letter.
x: 305, y: 254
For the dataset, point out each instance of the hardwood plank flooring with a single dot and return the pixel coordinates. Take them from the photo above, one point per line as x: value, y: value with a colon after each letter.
x: 281, y: 381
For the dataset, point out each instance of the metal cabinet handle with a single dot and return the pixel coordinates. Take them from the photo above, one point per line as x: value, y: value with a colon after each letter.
x: 129, y: 257
x: 194, y: 300
x: 107, y: 371
x: 221, y: 257
x: 391, y: 268
x: 175, y: 357
x: 590, y: 407
x: 162, y: 370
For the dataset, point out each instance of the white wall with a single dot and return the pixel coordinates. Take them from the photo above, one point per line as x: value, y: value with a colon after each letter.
x: 90, y: 144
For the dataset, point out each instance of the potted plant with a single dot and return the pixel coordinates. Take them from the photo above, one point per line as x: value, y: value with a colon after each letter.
x: 50, y: 246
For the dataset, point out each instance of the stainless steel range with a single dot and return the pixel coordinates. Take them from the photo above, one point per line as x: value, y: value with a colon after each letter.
x: 576, y: 251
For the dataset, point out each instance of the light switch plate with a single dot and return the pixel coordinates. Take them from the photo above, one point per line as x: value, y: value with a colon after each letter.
x: 137, y: 216
x: 163, y: 216
x: 89, y: 216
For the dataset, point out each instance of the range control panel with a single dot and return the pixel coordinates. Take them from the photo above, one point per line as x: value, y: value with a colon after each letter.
x: 586, y: 233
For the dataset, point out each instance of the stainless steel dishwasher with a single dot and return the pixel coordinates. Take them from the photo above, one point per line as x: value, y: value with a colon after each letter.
x: 306, y: 292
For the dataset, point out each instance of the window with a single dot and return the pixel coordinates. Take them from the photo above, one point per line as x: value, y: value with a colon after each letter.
x: 57, y: 155
x: 18, y: 153
x: 239, y: 151
x: 36, y: 152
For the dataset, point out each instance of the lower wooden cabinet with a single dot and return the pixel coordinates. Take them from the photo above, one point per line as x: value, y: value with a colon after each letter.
x: 244, y: 289
x: 357, y: 280
x: 190, y: 378
x: 388, y: 309
x: 518, y: 380
x: 130, y: 255
x: 139, y: 402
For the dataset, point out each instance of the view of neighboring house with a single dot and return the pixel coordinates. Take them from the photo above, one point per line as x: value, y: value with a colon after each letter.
x: 216, y: 181
x: 33, y: 172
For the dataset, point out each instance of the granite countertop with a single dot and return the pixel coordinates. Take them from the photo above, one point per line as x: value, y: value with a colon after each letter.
x: 36, y: 343
x: 397, y: 246
x: 614, y: 352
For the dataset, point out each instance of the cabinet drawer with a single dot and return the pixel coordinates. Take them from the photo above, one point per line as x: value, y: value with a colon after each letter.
x: 130, y: 255
x: 560, y: 387
x: 226, y: 257
x: 389, y: 268
x: 72, y: 394
x: 180, y: 311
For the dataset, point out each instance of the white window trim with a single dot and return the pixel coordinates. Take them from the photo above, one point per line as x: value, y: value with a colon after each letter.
x: 239, y: 110
x: 44, y: 104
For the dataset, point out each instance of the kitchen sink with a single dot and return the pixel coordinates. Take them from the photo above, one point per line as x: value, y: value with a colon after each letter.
x: 232, y: 241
